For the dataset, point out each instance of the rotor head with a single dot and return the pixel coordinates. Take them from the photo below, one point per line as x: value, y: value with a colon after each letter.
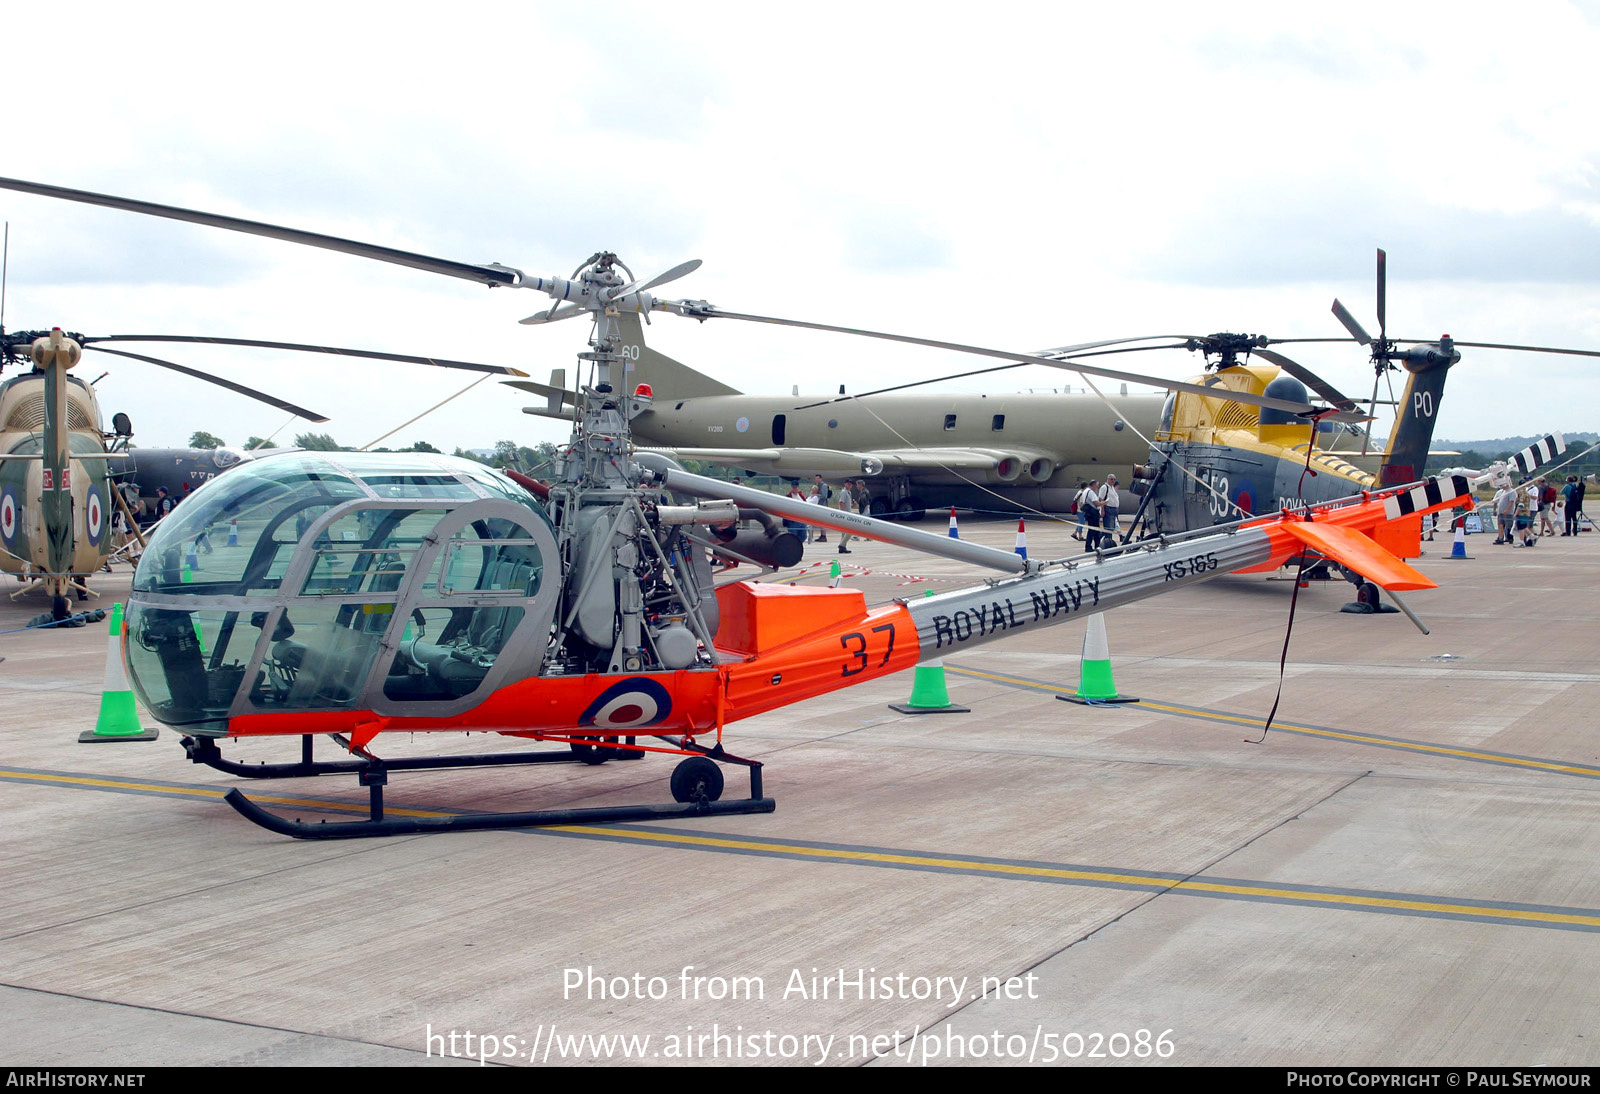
x: 56, y: 348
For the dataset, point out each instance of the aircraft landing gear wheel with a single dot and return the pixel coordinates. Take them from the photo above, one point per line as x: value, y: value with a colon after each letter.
x: 878, y: 507
x: 696, y: 779
x: 910, y: 509
x: 1367, y: 594
x: 589, y: 754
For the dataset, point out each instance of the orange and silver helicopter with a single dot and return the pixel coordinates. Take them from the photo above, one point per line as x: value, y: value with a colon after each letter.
x: 416, y: 593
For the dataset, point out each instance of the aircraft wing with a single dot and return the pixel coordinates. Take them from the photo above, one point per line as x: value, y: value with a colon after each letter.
x: 832, y: 461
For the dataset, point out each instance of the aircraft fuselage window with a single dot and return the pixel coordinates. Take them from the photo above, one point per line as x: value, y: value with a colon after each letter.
x: 949, y: 421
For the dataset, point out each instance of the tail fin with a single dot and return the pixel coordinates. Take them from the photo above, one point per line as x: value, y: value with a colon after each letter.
x: 1407, y: 454
x: 667, y: 378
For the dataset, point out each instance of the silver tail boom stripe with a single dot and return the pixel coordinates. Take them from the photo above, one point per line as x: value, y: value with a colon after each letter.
x: 1432, y: 492
x: 1539, y: 453
x: 968, y: 617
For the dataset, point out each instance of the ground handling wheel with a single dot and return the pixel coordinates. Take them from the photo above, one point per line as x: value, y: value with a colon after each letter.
x: 590, y: 754
x: 696, y: 779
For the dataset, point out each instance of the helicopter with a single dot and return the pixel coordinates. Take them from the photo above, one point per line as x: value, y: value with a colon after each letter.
x: 1213, y: 459
x: 1202, y: 455
x: 915, y: 450
x: 404, y: 593
x: 59, y: 468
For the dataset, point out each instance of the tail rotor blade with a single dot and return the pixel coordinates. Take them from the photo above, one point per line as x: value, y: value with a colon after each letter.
x: 1383, y: 293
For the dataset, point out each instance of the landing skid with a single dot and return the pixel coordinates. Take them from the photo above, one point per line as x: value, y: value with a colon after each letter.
x: 696, y: 782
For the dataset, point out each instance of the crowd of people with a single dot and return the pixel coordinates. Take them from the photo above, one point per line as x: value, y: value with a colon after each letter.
x: 852, y: 499
x: 1520, y: 513
x: 1525, y: 511
x: 1098, y: 506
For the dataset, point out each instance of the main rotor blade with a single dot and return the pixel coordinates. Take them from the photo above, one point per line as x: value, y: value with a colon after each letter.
x: 259, y: 396
x: 698, y: 310
x: 441, y: 362
x: 1356, y: 330
x: 491, y: 275
x: 553, y: 314
x: 1501, y: 345
x: 996, y: 368
x: 1309, y: 378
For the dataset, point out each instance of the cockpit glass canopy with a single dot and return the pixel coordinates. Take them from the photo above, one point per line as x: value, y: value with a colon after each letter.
x: 328, y: 582
x: 260, y: 510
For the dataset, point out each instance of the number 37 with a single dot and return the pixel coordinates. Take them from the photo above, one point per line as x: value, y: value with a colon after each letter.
x: 855, y: 644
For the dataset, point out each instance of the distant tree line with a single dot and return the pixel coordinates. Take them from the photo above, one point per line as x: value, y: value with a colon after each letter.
x: 1586, y: 463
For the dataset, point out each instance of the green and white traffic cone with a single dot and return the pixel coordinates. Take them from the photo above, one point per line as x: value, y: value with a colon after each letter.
x: 835, y: 573
x: 119, y: 717
x: 929, y: 695
x: 1094, y: 677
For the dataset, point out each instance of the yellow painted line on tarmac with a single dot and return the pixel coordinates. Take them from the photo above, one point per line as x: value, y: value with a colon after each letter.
x: 178, y: 791
x: 1400, y: 743
x: 1400, y: 903
x: 1103, y: 877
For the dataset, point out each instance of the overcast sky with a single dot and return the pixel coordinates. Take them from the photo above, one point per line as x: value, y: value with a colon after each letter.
x: 1019, y: 176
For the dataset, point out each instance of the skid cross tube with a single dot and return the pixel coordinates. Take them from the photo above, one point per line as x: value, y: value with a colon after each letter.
x: 374, y: 775
x: 203, y: 750
x: 378, y: 824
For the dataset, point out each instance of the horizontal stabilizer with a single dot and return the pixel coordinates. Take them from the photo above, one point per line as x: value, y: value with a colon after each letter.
x: 535, y: 388
x: 1359, y: 553
x: 1539, y: 453
x: 1432, y: 494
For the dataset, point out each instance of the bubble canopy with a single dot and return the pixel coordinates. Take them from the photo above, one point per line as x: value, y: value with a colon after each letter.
x: 340, y: 581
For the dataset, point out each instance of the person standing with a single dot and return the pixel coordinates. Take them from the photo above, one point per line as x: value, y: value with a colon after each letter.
x: 1547, y: 503
x: 799, y: 528
x: 1110, y: 504
x: 1090, y: 507
x: 1573, y: 493
x: 823, y: 494
x: 1079, y: 503
x: 847, y: 504
x: 1505, y: 514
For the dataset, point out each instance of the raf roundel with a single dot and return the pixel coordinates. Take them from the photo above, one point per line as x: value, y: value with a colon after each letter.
x: 94, y: 516
x: 8, y: 515
x: 742, y: 425
x: 628, y: 704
